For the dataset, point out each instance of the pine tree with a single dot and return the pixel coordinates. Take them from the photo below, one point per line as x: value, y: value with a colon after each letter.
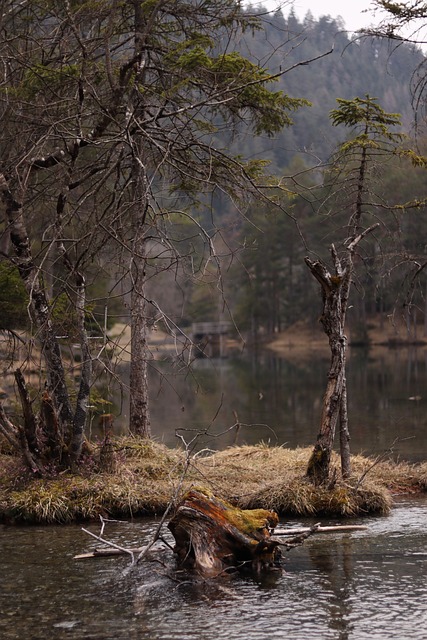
x: 111, y: 112
x: 374, y: 138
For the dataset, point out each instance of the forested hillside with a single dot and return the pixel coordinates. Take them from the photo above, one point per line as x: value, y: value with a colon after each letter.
x: 355, y: 67
x: 268, y: 285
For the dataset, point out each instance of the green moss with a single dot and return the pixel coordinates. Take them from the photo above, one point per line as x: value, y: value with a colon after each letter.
x: 248, y: 521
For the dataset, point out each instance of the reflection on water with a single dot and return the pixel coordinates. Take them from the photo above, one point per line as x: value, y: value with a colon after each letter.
x: 367, y: 584
x: 279, y: 400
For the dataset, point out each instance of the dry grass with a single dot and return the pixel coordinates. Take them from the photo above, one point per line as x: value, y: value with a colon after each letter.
x: 148, y: 475
x: 273, y: 478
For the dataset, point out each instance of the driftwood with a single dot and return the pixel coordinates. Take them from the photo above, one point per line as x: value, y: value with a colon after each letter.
x: 108, y: 552
x: 212, y: 536
x: 319, y: 529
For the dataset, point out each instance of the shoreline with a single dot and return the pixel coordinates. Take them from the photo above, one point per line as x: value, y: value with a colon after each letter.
x: 148, y: 476
x: 381, y: 336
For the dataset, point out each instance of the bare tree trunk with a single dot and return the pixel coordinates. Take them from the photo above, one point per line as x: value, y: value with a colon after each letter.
x: 332, y: 319
x: 30, y: 421
x: 38, y: 304
x: 139, y: 414
x: 53, y: 448
x: 81, y: 411
x: 344, y: 433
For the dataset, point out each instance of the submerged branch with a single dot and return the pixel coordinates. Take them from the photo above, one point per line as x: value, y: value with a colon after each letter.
x: 117, y: 547
x: 110, y: 552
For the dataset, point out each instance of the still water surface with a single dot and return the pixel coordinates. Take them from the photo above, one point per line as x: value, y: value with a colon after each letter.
x: 278, y: 399
x: 364, y: 585
x: 367, y: 585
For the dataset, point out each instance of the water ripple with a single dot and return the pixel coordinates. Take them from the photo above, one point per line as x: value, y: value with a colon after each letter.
x: 344, y: 587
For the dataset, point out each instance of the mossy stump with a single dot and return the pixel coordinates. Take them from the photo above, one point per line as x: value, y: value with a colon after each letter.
x: 213, y: 536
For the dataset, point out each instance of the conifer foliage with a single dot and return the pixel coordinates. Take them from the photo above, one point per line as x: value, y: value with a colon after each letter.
x: 373, y: 140
x: 109, y: 116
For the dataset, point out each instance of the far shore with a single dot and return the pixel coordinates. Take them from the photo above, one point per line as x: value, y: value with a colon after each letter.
x: 300, y: 340
x: 381, y: 335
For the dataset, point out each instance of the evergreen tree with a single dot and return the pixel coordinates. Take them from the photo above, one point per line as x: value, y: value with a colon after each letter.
x: 373, y: 140
x: 110, y: 112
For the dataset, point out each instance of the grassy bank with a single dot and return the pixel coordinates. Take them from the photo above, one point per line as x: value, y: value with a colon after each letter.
x: 147, y: 475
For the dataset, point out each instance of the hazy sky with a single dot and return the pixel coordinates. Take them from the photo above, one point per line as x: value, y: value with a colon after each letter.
x: 352, y: 11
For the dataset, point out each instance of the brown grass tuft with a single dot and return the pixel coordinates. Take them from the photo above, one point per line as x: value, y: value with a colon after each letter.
x: 147, y: 475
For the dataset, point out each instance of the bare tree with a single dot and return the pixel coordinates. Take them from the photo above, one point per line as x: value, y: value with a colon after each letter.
x: 352, y: 177
x: 109, y: 111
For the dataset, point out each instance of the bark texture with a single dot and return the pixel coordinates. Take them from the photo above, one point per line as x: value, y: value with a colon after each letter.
x: 335, y: 289
x: 212, y: 536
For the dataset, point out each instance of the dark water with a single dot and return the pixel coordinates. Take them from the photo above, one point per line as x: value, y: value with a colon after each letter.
x: 368, y: 584
x: 279, y: 400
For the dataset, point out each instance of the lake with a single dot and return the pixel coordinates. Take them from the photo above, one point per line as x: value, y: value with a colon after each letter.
x: 278, y: 400
x: 364, y: 585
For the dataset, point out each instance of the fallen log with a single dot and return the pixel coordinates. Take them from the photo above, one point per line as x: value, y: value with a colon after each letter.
x: 329, y: 529
x: 212, y: 536
x: 107, y: 553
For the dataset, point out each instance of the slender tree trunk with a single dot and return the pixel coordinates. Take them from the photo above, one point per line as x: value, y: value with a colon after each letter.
x: 335, y: 295
x: 39, y: 306
x: 30, y: 421
x: 81, y: 411
x: 344, y: 433
x: 139, y: 414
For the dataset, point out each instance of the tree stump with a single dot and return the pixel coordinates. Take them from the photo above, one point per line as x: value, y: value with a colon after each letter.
x: 213, y: 536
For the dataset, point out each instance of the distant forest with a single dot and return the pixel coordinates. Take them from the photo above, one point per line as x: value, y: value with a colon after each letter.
x: 355, y: 67
x: 267, y: 284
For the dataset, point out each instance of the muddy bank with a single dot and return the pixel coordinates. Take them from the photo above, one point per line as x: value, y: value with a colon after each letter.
x: 148, y: 475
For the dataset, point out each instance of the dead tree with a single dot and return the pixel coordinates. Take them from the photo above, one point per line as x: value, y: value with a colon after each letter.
x: 373, y: 141
x: 213, y: 536
x: 335, y: 289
